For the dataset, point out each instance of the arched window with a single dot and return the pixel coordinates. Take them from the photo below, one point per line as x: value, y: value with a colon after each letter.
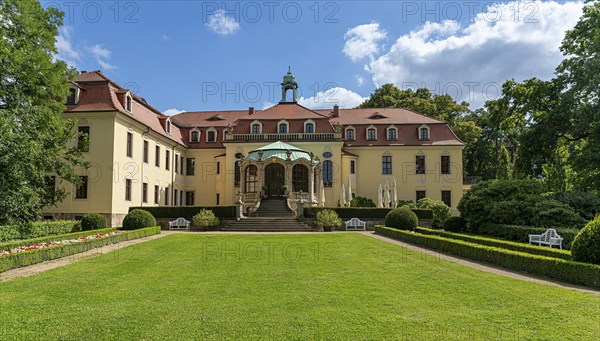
x: 250, y: 179
x: 300, y: 178
x: 211, y: 136
x: 236, y: 174
x: 371, y: 133
x: 392, y: 133
x: 195, y: 136
x: 327, y: 173
x: 350, y: 134
x: 424, y: 133
x: 309, y: 128
x: 168, y: 125
x: 255, y: 128
x: 282, y: 128
x: 128, y: 103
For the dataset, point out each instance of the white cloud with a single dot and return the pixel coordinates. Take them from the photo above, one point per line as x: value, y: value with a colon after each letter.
x: 360, y: 80
x: 267, y: 105
x: 363, y: 41
x: 102, y: 54
x: 65, y: 49
x: 326, y: 99
x: 165, y: 38
x: 221, y: 24
x: 470, y: 63
x: 171, y: 112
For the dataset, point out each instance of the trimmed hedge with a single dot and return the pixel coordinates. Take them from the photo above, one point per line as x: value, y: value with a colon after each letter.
x: 363, y: 212
x: 74, y: 235
x: 521, y: 233
x: 38, y: 229
x: 25, y: 258
x: 555, y: 268
x: 505, y: 244
x: 187, y: 212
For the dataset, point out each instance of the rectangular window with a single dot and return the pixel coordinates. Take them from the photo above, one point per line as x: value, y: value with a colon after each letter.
x: 218, y: 167
x: 145, y: 151
x: 81, y: 192
x: 189, y: 198
x: 447, y: 198
x: 144, y: 192
x: 156, y: 194
x: 157, y: 156
x: 129, y: 144
x: 83, y: 139
x: 371, y: 134
x: 218, y: 199
x: 167, y: 159
x: 352, y: 167
x: 191, y: 165
x: 176, y: 163
x: 181, y: 198
x: 127, y: 189
x: 445, y: 164
x: 420, y: 164
x: 175, y: 198
x: 72, y: 96
x: 181, y: 164
x: 392, y: 134
x: 420, y: 195
x: 386, y: 164
x: 350, y: 134
x: 167, y: 194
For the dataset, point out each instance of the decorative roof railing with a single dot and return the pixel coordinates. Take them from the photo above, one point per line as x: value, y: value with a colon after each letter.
x: 284, y: 137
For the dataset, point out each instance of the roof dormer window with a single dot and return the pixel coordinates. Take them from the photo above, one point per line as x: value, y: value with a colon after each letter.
x: 168, y: 126
x: 255, y: 127
x: 392, y: 133
x: 309, y: 127
x: 211, y: 135
x: 194, y: 136
x: 128, y: 102
x: 424, y: 133
x: 282, y: 127
x: 73, y: 96
x: 350, y: 134
x: 371, y: 133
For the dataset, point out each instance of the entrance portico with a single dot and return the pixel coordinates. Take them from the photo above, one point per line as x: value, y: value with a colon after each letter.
x: 280, y: 170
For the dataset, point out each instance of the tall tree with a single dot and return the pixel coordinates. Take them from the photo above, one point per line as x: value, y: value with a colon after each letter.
x: 34, y: 138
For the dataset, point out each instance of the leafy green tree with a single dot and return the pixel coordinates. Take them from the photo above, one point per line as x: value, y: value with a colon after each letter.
x: 33, y: 135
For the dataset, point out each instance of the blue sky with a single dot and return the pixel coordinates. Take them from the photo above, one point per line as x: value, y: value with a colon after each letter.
x: 192, y: 55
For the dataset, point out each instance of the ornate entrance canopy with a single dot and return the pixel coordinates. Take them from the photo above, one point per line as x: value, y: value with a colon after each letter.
x: 281, y: 169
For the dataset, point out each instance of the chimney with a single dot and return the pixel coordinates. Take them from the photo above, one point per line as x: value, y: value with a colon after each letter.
x: 336, y: 111
x: 251, y: 111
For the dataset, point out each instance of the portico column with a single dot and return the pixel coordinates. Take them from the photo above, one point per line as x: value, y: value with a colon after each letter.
x: 288, y: 177
x: 311, y: 184
x: 242, y: 187
x: 261, y: 177
x: 318, y: 184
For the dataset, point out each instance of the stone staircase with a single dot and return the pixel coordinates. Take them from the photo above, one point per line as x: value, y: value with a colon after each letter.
x: 273, y: 215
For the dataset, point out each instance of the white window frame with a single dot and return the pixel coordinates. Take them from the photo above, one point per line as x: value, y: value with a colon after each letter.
x: 367, y: 133
x: 216, y: 134
x: 168, y: 126
x: 353, y: 133
x: 310, y: 122
x: 128, y: 102
x: 199, y: 135
x: 259, y: 124
x: 287, y: 127
x: 387, y: 133
x: 428, y: 133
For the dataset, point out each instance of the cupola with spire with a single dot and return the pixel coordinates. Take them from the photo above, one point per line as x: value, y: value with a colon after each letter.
x: 289, y: 82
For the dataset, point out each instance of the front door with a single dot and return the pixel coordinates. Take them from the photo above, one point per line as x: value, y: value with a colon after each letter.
x: 274, y: 179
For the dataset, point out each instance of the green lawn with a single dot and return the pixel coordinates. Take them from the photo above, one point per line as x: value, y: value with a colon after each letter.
x: 304, y: 286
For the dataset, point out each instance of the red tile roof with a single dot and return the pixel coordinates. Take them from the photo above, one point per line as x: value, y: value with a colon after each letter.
x: 380, y: 116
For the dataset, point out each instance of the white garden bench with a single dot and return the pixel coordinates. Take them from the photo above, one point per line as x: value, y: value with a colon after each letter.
x: 179, y: 224
x: 550, y: 237
x: 356, y: 224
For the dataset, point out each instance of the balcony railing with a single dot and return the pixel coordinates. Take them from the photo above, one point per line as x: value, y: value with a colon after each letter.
x: 284, y: 137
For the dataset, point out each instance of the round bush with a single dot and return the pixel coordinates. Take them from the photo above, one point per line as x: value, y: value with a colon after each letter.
x: 441, y: 211
x: 328, y: 220
x: 93, y: 221
x: 402, y: 218
x: 454, y: 224
x: 137, y: 219
x: 586, y: 246
x: 205, y: 218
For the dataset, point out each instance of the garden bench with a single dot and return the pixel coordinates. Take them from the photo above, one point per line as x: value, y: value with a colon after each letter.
x: 356, y: 224
x: 550, y: 237
x: 179, y: 224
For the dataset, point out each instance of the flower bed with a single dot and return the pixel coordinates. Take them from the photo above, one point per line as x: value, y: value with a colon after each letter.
x: 33, y: 256
x: 59, y: 237
x: 56, y: 243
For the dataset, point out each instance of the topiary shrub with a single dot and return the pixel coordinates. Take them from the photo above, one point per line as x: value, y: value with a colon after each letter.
x: 205, y: 219
x: 455, y: 224
x: 554, y: 214
x: 362, y: 202
x: 328, y: 220
x: 402, y: 218
x: 441, y: 211
x: 93, y: 221
x: 137, y: 219
x: 586, y: 246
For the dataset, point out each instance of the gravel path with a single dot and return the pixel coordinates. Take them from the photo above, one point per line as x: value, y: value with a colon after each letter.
x: 486, y: 267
